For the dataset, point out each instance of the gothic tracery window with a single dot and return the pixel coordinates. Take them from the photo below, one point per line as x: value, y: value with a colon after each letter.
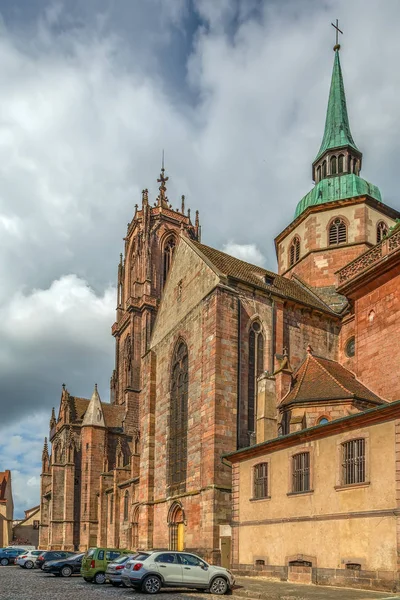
x: 168, y: 253
x: 128, y: 361
x: 256, y: 367
x: 381, y: 231
x: 178, y: 420
x: 337, y: 232
x: 294, y: 251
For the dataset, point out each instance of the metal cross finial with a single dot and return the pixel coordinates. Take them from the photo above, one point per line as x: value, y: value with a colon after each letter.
x: 337, y: 45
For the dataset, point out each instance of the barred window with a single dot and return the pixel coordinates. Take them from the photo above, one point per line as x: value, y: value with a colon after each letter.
x: 261, y: 481
x: 337, y: 232
x: 353, y: 461
x: 381, y: 231
x: 301, y: 472
x: 294, y: 251
x: 256, y: 366
x: 169, y: 250
x: 178, y: 420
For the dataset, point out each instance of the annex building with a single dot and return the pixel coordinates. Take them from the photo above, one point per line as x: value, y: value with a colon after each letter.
x: 291, y: 376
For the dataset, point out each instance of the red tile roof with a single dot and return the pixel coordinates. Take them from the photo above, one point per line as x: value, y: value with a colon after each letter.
x: 322, y: 379
x: 232, y: 267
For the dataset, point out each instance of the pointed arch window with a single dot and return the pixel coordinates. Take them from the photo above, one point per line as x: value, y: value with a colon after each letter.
x: 341, y: 163
x: 178, y: 420
x: 128, y: 361
x: 135, y: 528
x: 337, y: 232
x: 324, y: 169
x: 381, y: 231
x: 169, y: 249
x: 126, y: 505
x: 333, y: 165
x: 319, y: 173
x: 256, y: 367
x: 294, y: 251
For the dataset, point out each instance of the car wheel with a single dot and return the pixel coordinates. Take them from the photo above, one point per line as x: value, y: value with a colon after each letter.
x: 151, y: 585
x: 99, y: 578
x: 28, y: 564
x: 115, y: 583
x: 4, y: 562
x: 66, y: 571
x: 219, y: 586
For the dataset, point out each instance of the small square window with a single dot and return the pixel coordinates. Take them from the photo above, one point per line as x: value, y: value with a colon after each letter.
x: 260, y: 481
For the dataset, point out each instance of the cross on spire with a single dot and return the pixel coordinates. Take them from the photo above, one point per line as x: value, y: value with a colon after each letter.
x: 162, y: 198
x: 337, y: 45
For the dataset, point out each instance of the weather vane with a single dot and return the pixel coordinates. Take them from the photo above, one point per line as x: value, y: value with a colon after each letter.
x: 337, y: 45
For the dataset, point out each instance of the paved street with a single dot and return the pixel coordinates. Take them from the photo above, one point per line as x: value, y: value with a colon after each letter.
x: 19, y: 584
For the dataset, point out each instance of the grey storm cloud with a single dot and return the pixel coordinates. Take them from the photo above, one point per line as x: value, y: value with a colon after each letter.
x: 235, y: 92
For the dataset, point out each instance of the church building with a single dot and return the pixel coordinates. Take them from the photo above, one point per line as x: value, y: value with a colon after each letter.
x: 220, y: 362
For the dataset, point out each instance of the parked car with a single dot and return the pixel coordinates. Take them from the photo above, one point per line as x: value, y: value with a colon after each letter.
x: 95, y: 561
x: 26, y: 560
x: 150, y: 572
x: 115, y: 568
x: 51, y: 555
x: 64, y: 567
x: 8, y: 555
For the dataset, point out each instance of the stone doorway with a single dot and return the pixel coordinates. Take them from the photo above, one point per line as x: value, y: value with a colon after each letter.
x: 226, y: 552
x: 176, y: 524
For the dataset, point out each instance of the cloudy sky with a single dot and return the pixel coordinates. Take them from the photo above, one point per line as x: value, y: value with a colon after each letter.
x: 236, y: 93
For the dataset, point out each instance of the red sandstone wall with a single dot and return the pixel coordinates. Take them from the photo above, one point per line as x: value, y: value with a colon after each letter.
x: 377, y: 339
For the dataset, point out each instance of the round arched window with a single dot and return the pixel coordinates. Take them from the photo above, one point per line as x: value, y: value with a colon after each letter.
x: 350, y: 348
x: 323, y: 421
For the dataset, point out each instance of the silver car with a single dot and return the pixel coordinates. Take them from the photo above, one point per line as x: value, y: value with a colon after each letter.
x: 151, y: 571
x: 115, y: 568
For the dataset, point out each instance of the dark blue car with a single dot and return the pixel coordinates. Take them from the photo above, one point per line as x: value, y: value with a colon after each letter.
x: 8, y: 555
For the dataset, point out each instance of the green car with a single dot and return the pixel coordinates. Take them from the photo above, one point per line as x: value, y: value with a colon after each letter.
x: 95, y: 561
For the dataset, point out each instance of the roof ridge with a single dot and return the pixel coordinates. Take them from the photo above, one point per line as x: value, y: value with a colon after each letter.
x: 305, y: 363
x: 235, y: 258
x: 331, y: 376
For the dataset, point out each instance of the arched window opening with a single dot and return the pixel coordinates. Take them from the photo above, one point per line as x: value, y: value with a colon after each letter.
x: 323, y: 421
x: 355, y: 169
x: 341, y: 163
x: 319, y: 173
x: 168, y: 253
x: 126, y: 505
x: 337, y: 232
x: 256, y: 367
x: 111, y: 508
x: 333, y: 165
x: 294, y: 251
x: 128, y: 361
x: 381, y: 231
x: 135, y: 528
x: 324, y: 169
x: 349, y: 164
x: 176, y: 522
x: 178, y: 420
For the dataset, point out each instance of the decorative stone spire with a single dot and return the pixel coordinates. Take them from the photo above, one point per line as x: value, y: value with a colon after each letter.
x: 145, y: 197
x: 53, y: 421
x: 45, y: 453
x: 162, y: 199
x: 94, y: 415
x: 183, y: 205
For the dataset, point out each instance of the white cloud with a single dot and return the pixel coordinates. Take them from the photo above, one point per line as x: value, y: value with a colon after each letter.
x: 247, y: 252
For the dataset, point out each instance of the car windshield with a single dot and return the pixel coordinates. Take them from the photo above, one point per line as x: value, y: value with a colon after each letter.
x: 90, y: 552
x: 122, y: 559
x: 140, y: 556
x: 36, y: 552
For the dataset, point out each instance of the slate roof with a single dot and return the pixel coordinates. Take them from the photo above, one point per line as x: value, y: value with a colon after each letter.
x: 238, y: 269
x: 322, y: 379
x: 113, y: 413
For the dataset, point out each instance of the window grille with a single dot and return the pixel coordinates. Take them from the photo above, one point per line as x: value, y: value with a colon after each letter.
x: 353, y: 461
x: 294, y: 251
x: 381, y: 231
x: 301, y: 472
x: 178, y: 421
x: 169, y: 250
x: 261, y: 480
x: 256, y: 367
x: 337, y: 232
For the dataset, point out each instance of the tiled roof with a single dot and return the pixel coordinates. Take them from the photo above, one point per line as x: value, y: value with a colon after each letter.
x: 238, y: 269
x: 321, y: 379
x: 113, y: 413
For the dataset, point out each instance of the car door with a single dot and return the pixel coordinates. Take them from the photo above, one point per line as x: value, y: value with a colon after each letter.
x: 169, y: 567
x: 194, y: 570
x: 76, y: 564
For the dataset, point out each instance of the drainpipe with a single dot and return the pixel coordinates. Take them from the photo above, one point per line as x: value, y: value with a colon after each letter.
x: 238, y: 376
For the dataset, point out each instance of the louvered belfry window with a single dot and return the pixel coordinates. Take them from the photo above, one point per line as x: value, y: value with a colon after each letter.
x: 337, y: 232
x: 256, y: 367
x: 353, y: 462
x: 178, y: 421
x: 381, y: 231
x: 294, y: 251
x: 261, y: 481
x: 301, y: 472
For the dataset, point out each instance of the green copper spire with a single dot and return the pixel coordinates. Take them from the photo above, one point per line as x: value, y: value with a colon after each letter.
x: 337, y: 132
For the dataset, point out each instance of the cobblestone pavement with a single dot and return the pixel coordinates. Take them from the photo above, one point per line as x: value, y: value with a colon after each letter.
x: 20, y: 584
